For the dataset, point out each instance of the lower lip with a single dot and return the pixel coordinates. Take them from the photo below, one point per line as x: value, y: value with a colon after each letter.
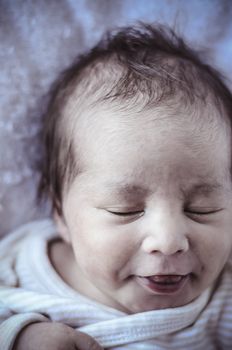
x: 162, y: 288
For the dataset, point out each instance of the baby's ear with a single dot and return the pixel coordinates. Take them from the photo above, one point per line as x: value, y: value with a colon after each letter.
x: 61, y: 227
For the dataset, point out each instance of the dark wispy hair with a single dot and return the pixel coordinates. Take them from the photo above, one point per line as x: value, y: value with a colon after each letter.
x: 147, y: 64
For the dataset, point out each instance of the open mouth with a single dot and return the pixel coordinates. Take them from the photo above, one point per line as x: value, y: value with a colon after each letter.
x: 163, y: 284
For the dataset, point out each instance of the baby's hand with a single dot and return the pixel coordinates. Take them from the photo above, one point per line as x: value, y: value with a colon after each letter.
x: 53, y: 336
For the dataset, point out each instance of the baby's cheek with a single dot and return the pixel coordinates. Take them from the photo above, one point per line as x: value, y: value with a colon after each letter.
x: 106, y: 261
x: 101, y: 270
x: 212, y: 248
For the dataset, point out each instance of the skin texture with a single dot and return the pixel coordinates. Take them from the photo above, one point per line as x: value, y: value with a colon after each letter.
x: 154, y: 198
x: 54, y: 336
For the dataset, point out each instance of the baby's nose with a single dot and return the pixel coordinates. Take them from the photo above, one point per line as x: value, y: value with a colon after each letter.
x: 167, y: 235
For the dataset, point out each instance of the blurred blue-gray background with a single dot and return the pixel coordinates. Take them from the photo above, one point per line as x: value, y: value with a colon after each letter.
x: 40, y: 38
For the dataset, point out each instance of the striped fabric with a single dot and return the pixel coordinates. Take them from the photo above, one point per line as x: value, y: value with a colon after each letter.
x: 31, y: 290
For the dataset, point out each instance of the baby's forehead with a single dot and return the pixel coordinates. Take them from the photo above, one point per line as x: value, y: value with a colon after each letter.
x: 117, y: 115
x: 125, y: 130
x: 107, y: 139
x: 92, y: 120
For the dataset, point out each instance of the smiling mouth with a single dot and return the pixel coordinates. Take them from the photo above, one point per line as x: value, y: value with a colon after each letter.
x: 163, y: 284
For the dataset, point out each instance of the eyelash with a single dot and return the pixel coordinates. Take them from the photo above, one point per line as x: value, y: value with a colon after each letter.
x: 132, y: 213
x: 203, y: 212
x: 129, y: 213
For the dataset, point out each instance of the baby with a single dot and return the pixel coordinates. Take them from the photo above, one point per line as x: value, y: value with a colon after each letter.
x: 138, y: 168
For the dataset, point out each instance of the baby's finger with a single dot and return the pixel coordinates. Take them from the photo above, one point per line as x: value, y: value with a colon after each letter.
x: 85, y: 342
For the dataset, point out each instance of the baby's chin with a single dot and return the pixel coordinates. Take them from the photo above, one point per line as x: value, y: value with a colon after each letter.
x: 147, y: 297
x: 160, y: 303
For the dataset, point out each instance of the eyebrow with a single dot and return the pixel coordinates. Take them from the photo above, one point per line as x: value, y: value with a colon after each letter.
x: 125, y: 190
x: 204, y: 189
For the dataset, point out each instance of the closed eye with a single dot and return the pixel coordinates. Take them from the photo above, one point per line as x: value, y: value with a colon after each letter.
x: 125, y: 213
x: 202, y: 212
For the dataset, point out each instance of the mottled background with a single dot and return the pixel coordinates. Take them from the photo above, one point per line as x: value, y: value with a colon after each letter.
x: 40, y: 38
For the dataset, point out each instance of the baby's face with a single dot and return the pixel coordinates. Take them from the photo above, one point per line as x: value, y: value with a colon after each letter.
x: 150, y: 217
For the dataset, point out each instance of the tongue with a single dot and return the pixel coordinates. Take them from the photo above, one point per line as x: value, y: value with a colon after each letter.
x: 166, y: 278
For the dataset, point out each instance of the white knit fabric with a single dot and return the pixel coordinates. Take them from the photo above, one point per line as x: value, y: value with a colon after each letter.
x: 31, y: 290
